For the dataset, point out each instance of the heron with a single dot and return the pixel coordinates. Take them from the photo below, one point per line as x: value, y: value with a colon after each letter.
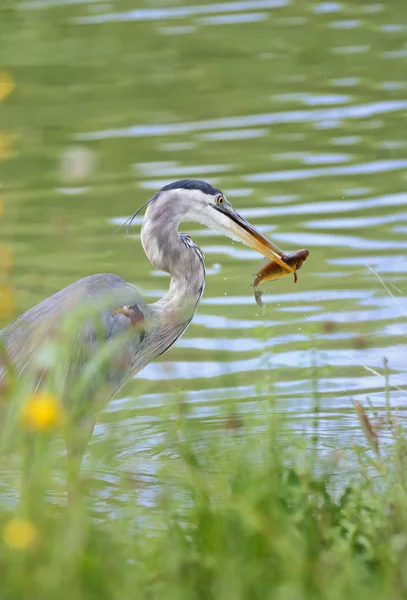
x: 152, y: 328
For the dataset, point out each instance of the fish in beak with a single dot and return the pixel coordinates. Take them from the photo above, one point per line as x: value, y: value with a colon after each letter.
x: 272, y: 271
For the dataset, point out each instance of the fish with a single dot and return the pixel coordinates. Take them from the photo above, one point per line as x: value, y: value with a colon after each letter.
x: 272, y: 271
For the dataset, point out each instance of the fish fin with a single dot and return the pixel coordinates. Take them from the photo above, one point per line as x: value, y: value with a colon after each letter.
x: 257, y: 297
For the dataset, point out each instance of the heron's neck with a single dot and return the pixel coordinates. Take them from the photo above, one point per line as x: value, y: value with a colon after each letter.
x: 177, y: 255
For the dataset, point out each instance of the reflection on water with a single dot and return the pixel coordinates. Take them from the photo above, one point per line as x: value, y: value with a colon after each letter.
x: 359, y: 169
x: 178, y: 12
x: 297, y: 111
x: 295, y: 116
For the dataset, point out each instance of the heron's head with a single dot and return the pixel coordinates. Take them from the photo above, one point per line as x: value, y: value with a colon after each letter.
x: 196, y: 200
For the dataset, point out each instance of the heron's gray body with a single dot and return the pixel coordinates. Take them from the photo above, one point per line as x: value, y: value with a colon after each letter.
x: 149, y: 338
x: 36, y: 327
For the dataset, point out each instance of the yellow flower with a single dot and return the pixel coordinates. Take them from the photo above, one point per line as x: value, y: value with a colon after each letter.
x: 7, y: 300
x: 7, y: 85
x: 20, y: 534
x: 42, y: 412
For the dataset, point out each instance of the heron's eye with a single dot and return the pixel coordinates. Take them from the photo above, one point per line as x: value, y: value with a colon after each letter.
x: 220, y: 200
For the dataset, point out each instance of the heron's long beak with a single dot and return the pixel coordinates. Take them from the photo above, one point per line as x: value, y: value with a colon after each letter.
x: 253, y: 238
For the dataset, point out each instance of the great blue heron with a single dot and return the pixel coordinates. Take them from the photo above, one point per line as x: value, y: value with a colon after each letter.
x: 154, y: 327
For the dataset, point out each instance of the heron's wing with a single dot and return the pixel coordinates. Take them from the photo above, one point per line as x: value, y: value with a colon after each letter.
x: 27, y: 334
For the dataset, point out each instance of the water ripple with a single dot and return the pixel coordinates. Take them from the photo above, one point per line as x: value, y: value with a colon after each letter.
x: 346, y: 24
x: 178, y: 12
x: 300, y: 297
x: 313, y: 99
x: 294, y: 116
x: 173, y: 169
x: 351, y: 49
x: 382, y: 264
x: 372, y: 357
x: 235, y: 134
x: 327, y: 7
x: 355, y: 222
x: 337, y: 240
x: 232, y: 19
x: 377, y: 166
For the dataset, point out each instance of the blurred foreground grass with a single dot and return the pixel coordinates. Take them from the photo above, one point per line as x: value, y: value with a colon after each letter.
x: 250, y: 511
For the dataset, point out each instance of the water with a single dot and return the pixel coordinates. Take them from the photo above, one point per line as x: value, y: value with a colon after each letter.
x: 297, y: 112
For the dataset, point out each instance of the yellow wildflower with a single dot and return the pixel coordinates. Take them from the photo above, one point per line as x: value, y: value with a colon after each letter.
x: 7, y: 85
x: 42, y: 412
x: 20, y: 534
x: 7, y: 300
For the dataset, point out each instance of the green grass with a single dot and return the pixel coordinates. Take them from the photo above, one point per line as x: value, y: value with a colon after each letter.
x: 245, y: 511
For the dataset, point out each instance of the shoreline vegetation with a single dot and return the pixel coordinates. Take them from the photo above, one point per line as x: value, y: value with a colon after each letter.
x: 249, y: 510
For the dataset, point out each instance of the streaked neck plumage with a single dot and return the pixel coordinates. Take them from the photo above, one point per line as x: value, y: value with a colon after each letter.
x: 176, y: 254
